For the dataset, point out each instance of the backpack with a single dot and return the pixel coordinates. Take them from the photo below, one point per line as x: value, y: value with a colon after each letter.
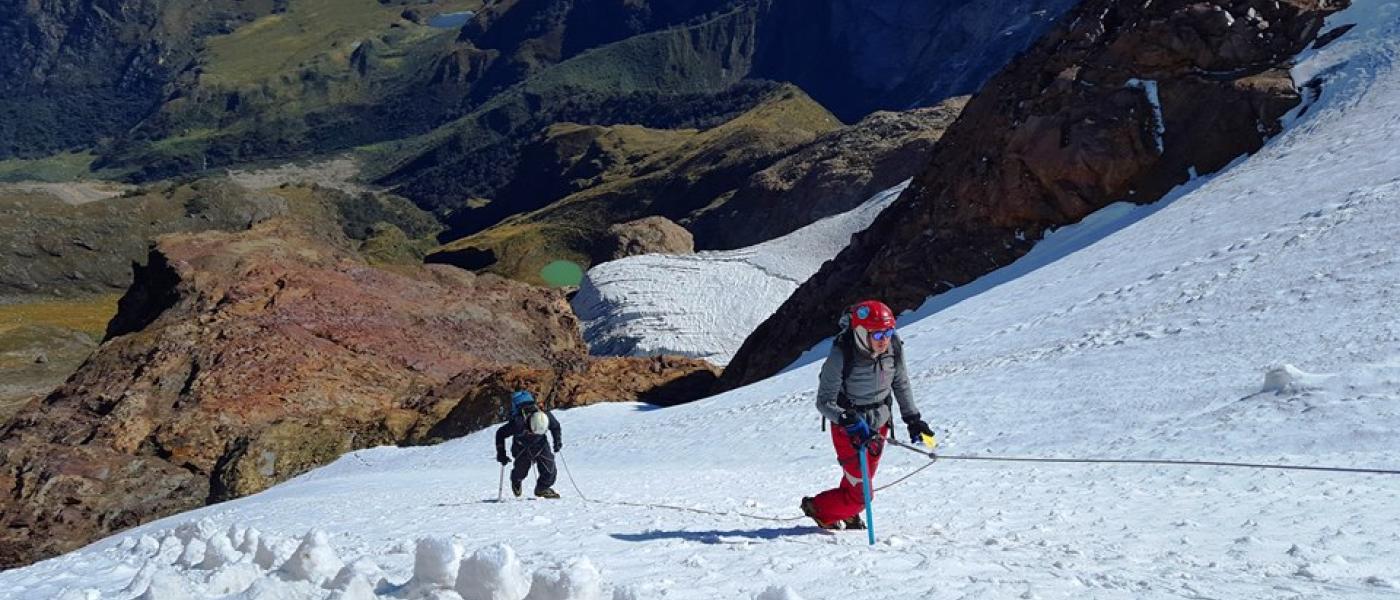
x: 534, y: 420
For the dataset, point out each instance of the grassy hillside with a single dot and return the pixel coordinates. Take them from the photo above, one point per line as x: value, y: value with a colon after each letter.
x: 324, y: 75
x: 42, y: 340
x: 59, y: 167
x: 684, y: 172
x: 681, y: 77
x: 310, y: 31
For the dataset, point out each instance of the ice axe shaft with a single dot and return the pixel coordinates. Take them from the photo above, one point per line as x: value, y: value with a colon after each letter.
x: 865, y: 490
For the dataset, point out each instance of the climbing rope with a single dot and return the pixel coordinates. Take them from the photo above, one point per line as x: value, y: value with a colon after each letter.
x: 935, y: 457
x: 1140, y: 461
x: 665, y: 506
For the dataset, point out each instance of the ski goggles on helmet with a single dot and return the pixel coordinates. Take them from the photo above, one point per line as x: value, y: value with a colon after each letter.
x: 882, y: 335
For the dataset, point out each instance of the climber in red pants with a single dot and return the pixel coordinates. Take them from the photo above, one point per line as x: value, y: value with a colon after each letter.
x: 862, y: 374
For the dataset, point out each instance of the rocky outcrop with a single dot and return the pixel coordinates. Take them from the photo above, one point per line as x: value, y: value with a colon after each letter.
x: 477, y: 399
x: 1121, y: 101
x: 650, y: 235
x: 238, y: 360
x: 831, y: 175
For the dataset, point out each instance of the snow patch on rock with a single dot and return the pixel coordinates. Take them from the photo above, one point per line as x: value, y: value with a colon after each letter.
x: 703, y: 305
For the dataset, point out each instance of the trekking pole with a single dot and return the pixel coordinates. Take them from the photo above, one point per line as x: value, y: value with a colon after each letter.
x: 865, y: 490
x: 501, y: 486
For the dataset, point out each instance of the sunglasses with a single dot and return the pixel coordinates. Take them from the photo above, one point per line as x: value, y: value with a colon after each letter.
x: 880, y: 336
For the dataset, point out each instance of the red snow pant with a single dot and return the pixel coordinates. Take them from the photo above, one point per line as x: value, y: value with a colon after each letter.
x: 845, y: 500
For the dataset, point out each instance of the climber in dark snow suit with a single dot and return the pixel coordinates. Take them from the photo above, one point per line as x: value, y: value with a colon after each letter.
x: 856, y: 398
x: 527, y: 425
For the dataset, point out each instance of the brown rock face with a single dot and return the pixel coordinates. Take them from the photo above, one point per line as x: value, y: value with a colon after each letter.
x: 239, y: 360
x: 831, y: 175
x: 475, y: 400
x: 649, y: 235
x: 1118, y: 102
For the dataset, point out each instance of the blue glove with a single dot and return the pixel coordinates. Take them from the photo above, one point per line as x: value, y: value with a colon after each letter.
x: 857, y: 429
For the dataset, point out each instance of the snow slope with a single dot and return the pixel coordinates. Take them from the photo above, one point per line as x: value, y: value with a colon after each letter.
x: 1167, y: 337
x: 705, y: 304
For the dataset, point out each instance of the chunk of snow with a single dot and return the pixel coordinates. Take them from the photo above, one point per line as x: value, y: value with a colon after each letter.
x: 575, y: 580
x: 313, y: 561
x: 170, y: 550
x: 166, y: 586
x: 361, y: 568
x: 625, y: 592
x: 236, y: 534
x: 147, y: 546
x: 218, y: 552
x: 233, y: 578
x: 196, y: 530
x: 1380, y: 582
x: 1288, y: 379
x: 777, y: 593
x: 355, y: 588
x: 193, y: 554
x: 249, y: 544
x: 436, y: 561
x: 276, y: 589
x: 492, y: 573
x: 140, y: 581
x: 268, y: 554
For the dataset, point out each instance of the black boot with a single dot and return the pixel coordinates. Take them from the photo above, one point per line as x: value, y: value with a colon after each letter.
x: 515, y: 488
x: 810, y: 509
x: 547, y: 493
x: 853, y: 523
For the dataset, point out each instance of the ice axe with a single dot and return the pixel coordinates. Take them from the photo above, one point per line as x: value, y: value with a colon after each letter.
x: 865, y: 490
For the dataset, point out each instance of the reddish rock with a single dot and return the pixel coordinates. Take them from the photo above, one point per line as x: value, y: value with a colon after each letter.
x: 240, y: 360
x: 477, y: 399
x: 1066, y: 129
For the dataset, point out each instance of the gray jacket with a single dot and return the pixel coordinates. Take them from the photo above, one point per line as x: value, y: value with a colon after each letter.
x: 869, y: 386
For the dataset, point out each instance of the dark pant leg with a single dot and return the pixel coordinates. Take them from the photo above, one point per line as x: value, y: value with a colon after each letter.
x: 544, y: 461
x: 521, y: 468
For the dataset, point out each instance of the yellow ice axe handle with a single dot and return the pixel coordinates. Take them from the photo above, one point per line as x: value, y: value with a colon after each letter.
x: 929, y: 441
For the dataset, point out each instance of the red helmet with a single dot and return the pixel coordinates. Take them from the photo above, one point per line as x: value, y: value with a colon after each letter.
x: 872, y: 315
